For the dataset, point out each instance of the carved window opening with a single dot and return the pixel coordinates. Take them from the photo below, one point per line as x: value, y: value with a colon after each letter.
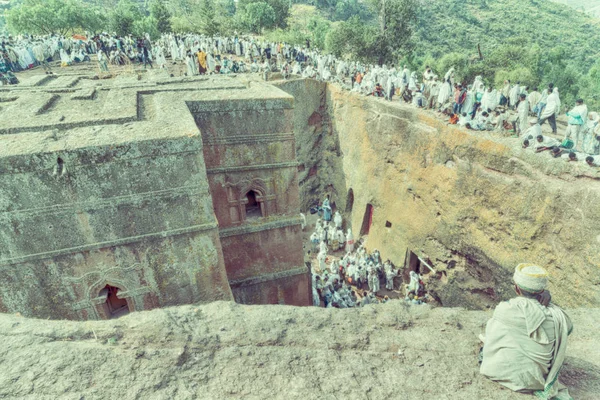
x: 253, y: 208
x: 114, y: 307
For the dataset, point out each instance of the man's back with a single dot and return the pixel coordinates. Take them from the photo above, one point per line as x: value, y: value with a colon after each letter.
x: 522, y: 344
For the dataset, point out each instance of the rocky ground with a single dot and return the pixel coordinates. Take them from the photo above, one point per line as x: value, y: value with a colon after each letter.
x: 226, y: 351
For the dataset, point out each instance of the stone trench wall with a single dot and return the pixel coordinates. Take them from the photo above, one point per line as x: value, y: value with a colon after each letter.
x: 317, y: 148
x: 472, y: 206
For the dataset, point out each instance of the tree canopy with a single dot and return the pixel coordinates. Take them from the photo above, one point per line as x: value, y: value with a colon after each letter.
x: 162, y: 16
x: 258, y: 16
x: 44, y: 17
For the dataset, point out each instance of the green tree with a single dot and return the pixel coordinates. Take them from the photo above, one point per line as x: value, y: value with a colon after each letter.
x: 328, y: 6
x: 124, y: 16
x: 209, y: 24
x: 159, y: 11
x: 282, y: 11
x: 318, y: 28
x: 459, y: 61
x: 258, y: 16
x: 145, y: 25
x: 396, y: 22
x: 345, y: 9
x: 52, y: 16
x: 281, y: 8
x: 228, y: 6
x: 351, y: 39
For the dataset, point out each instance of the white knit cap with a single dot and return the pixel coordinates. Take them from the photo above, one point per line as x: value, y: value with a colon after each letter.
x: 531, y: 278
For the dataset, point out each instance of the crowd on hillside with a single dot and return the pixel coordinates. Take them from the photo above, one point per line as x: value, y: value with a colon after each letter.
x: 514, y: 108
x: 355, y: 278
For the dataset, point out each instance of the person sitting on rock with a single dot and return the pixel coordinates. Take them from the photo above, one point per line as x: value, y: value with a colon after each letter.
x: 378, y: 92
x: 526, y: 339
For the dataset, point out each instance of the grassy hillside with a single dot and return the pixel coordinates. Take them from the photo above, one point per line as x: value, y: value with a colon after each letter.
x: 458, y: 26
x: 589, y: 6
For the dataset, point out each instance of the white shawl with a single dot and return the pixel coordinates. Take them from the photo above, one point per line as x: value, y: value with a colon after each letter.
x: 525, y: 346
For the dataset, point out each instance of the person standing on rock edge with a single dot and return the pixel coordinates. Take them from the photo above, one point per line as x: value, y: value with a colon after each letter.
x: 526, y: 339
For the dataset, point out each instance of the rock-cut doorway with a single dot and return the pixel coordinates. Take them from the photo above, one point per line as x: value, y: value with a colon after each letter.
x: 114, y: 307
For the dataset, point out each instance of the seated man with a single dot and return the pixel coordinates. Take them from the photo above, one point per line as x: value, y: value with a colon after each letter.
x: 464, y: 119
x: 526, y: 338
x: 498, y: 121
x: 534, y: 130
x: 480, y: 123
x: 591, y: 161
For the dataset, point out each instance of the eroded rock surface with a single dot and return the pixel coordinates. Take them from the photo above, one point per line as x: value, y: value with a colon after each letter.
x: 224, y: 350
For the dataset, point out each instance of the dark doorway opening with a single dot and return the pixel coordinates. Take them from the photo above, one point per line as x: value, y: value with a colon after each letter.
x: 252, y: 206
x: 367, y: 220
x: 412, y: 263
x: 114, y: 307
x: 349, y: 201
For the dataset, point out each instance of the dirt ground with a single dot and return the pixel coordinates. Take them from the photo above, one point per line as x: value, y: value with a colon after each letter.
x: 224, y: 350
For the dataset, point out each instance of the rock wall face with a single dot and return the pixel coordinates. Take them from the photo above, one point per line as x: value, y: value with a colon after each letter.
x: 473, y: 206
x: 250, y: 156
x: 317, y: 148
x: 78, y: 218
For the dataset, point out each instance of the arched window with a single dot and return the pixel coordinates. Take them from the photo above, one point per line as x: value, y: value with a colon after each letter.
x: 253, y: 209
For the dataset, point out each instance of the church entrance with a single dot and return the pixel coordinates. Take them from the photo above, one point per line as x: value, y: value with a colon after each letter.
x: 367, y: 221
x: 114, y: 307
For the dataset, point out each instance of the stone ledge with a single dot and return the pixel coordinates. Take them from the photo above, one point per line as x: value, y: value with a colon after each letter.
x: 36, y: 80
x: 86, y: 206
x: 255, y: 280
x: 248, y: 139
x: 252, y: 167
x: 64, y: 81
x: 84, y: 94
x: 100, y: 245
x: 259, y: 227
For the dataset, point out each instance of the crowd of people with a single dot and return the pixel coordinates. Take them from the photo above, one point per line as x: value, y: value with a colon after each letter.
x: 356, y: 277
x: 513, y: 108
